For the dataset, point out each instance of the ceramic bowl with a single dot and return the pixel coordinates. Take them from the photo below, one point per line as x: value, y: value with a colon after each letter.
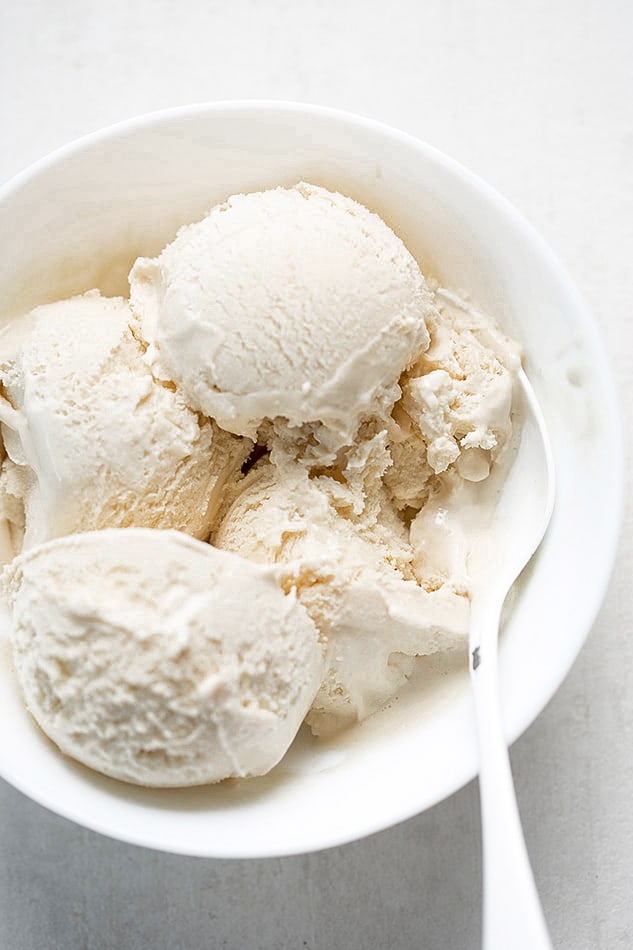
x: 79, y: 218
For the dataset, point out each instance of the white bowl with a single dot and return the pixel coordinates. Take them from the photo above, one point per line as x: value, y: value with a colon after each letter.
x: 79, y: 218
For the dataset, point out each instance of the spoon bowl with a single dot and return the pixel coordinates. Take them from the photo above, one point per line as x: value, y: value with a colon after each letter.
x: 512, y: 912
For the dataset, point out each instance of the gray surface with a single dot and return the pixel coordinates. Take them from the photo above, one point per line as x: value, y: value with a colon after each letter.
x: 538, y: 101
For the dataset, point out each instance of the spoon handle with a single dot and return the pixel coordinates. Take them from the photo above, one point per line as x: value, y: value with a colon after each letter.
x: 512, y: 913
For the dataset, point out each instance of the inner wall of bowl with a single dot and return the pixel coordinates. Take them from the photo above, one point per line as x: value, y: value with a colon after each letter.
x: 81, y: 219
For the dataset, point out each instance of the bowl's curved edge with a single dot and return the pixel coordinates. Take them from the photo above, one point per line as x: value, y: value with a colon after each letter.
x: 517, y: 724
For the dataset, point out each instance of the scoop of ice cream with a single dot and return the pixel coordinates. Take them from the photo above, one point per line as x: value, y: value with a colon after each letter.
x: 92, y: 439
x: 297, y: 305
x: 456, y: 407
x: 378, y: 544
x: 351, y: 563
x: 157, y: 659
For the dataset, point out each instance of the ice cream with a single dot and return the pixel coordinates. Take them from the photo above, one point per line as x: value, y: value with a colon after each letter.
x: 355, y: 576
x: 157, y: 659
x: 377, y: 545
x: 92, y: 439
x: 336, y: 547
x: 456, y: 406
x: 295, y: 305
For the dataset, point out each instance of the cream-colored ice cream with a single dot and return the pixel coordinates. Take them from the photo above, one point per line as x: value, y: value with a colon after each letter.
x: 456, y: 407
x: 92, y: 440
x: 383, y: 408
x: 296, y: 305
x: 157, y: 659
x: 350, y: 559
x: 378, y: 544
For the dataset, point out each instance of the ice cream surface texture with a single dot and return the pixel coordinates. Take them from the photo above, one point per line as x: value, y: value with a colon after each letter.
x: 286, y: 385
x: 376, y: 544
x: 296, y: 305
x: 92, y: 440
x: 355, y: 577
x: 140, y: 656
x: 456, y: 410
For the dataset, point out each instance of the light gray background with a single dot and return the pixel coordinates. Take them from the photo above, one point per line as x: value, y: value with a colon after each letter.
x: 537, y: 97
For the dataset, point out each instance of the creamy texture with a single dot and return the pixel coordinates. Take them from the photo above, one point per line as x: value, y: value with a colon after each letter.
x: 92, y: 440
x: 377, y: 544
x: 295, y: 305
x: 383, y: 410
x: 159, y: 660
x: 456, y: 407
x: 354, y: 573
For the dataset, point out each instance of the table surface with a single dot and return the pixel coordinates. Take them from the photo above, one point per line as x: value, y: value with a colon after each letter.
x: 536, y: 97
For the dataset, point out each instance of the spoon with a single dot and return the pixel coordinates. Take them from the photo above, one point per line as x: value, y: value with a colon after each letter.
x: 512, y: 913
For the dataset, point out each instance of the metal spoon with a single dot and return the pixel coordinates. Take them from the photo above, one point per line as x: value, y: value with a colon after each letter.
x: 512, y: 913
